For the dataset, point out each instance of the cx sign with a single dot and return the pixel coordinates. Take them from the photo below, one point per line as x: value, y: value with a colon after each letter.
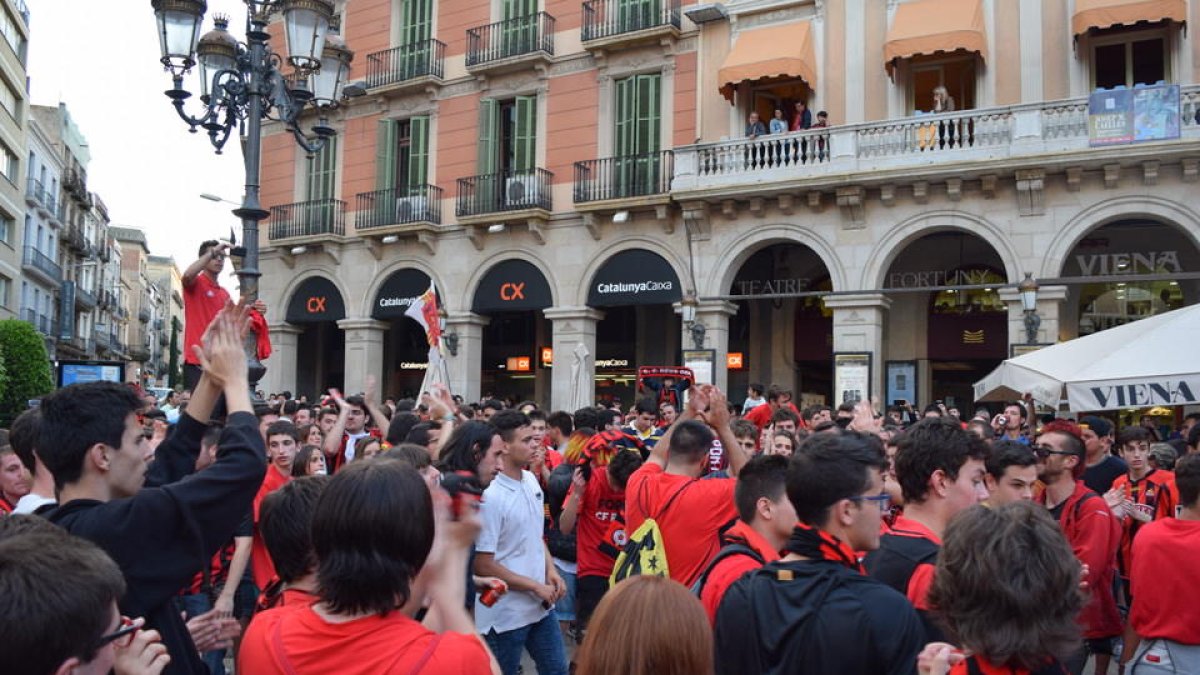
x: 315, y: 305
x: 511, y: 291
x: 315, y: 301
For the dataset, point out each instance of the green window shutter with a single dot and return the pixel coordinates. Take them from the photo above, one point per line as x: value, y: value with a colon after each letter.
x: 525, y: 159
x: 623, y: 145
x: 322, y: 172
x: 418, y: 153
x: 487, y: 136
x: 649, y: 115
x: 385, y: 155
x: 416, y: 18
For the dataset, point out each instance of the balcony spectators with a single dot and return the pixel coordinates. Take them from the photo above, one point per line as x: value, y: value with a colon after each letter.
x: 779, y: 125
x: 803, y: 117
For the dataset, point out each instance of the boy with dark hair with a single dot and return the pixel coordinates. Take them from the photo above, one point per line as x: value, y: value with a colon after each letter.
x: 746, y: 435
x: 1011, y: 473
x: 285, y: 526
x: 815, y: 611
x: 1091, y: 528
x: 91, y: 441
x: 765, y: 521
x: 940, y: 468
x: 754, y: 397
x: 1165, y: 592
x: 1149, y: 493
x: 23, y: 436
x: 355, y: 413
x: 559, y: 426
x: 690, y: 512
x: 644, y: 426
x: 283, y: 440
x: 14, y: 480
x: 785, y: 419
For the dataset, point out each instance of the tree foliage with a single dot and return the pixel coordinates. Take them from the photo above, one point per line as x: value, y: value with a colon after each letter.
x: 25, y: 367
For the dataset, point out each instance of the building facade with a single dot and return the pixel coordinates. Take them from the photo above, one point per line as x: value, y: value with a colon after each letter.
x: 167, y: 342
x: 42, y: 272
x: 14, y: 29
x: 574, y: 173
x: 140, y: 304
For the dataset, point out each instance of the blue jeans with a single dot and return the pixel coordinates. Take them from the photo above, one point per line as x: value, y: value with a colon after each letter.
x: 195, y: 605
x: 542, y: 640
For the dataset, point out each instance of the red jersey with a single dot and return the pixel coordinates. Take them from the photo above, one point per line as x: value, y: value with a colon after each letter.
x: 906, y: 559
x: 731, y: 568
x: 761, y: 415
x: 1094, y: 534
x: 1155, y: 493
x: 599, y: 507
x: 1165, y: 581
x: 295, y: 640
x: 690, y: 527
x: 260, y: 561
x: 202, y: 300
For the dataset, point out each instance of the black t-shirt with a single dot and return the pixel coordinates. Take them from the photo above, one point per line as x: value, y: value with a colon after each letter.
x: 1099, y: 478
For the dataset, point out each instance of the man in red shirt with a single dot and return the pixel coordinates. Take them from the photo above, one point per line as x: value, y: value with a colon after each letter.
x: 285, y: 525
x: 1166, y: 583
x: 1091, y: 528
x: 1149, y: 493
x: 940, y: 468
x: 282, y: 443
x: 203, y: 297
x: 765, y: 521
x: 690, y: 512
x: 776, y: 398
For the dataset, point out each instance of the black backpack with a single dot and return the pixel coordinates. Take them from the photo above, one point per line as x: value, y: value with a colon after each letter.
x: 725, y: 552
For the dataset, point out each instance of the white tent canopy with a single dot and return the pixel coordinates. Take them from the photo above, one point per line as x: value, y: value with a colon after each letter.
x: 1144, y: 363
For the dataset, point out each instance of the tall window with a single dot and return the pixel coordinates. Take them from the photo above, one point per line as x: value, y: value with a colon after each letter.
x: 5, y: 286
x: 402, y: 160
x: 12, y: 34
x: 508, y: 135
x: 416, y: 27
x: 638, y: 134
x: 321, y: 180
x: 1127, y: 58
x: 8, y: 99
x: 7, y: 223
x: 520, y: 26
x: 956, y: 75
x: 10, y: 166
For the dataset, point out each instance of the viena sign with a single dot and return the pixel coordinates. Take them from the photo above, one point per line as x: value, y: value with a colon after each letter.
x: 634, y: 277
x: 1133, y: 393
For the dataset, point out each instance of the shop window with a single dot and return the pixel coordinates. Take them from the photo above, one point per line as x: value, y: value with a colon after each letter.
x: 957, y: 75
x: 1104, y: 306
x: 1125, y: 58
x: 961, y: 301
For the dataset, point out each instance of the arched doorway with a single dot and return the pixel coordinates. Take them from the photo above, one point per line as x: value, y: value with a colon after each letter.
x: 636, y: 289
x: 405, y: 348
x: 1128, y: 270
x: 316, y: 306
x: 786, y: 341
x: 513, y: 294
x: 946, y: 315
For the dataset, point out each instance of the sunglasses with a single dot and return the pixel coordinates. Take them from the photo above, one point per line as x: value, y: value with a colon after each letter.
x: 121, y: 637
x: 882, y: 500
x: 1043, y: 451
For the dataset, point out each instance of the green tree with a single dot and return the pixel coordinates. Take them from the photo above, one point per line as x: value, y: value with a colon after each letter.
x: 26, y: 365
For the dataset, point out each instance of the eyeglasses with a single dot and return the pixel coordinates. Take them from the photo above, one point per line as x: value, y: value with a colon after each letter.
x: 1043, y: 451
x: 882, y: 500
x: 121, y: 637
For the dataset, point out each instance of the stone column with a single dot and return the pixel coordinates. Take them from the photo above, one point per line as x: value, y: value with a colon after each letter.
x: 714, y: 315
x: 1051, y: 302
x: 465, y: 367
x: 572, y: 326
x: 858, y: 327
x: 364, y: 352
x: 281, y: 367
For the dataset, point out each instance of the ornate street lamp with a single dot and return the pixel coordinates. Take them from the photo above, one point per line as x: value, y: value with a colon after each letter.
x: 688, y: 306
x: 242, y: 84
x: 1028, y: 289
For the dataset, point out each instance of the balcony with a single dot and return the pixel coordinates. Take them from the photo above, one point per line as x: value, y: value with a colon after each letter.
x: 970, y: 144
x: 315, y: 220
x: 512, y: 44
x: 37, y: 196
x: 164, y: 339
x: 139, y: 353
x: 41, y: 322
x: 42, y: 266
x: 399, y: 210
x: 144, y: 314
x: 406, y: 67
x: 621, y: 23
x: 502, y: 198
x: 101, y: 336
x: 624, y: 182
x: 74, y: 239
x: 75, y: 183
x: 84, y: 300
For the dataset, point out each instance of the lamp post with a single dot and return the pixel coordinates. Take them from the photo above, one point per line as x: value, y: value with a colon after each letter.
x: 688, y: 306
x: 241, y: 83
x: 1028, y: 290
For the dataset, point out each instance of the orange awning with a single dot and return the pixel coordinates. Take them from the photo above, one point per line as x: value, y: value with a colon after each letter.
x: 933, y: 26
x: 775, y: 51
x: 1107, y: 13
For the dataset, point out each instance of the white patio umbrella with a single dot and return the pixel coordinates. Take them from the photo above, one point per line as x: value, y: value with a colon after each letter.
x: 1144, y: 363
x: 582, y: 384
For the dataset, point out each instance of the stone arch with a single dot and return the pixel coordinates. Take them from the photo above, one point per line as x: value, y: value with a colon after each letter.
x: 486, y: 265
x: 898, y: 238
x: 681, y: 268
x: 397, y: 264
x: 325, y: 272
x: 740, y: 250
x: 1173, y: 214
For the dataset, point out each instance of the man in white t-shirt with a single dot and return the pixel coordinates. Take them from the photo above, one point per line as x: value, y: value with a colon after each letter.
x: 510, y: 547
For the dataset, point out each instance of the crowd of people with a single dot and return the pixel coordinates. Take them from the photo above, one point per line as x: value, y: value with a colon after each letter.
x: 687, y: 535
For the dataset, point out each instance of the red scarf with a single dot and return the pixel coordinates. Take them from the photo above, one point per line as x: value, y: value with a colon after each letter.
x: 817, y: 544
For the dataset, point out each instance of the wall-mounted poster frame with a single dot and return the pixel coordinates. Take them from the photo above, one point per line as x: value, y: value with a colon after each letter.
x: 902, y: 383
x: 851, y: 377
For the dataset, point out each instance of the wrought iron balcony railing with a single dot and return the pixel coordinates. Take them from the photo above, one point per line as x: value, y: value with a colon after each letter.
x: 398, y: 206
x: 305, y: 219
x: 514, y: 37
x: 609, y: 18
x: 42, y: 263
x: 506, y: 191
x: 624, y: 177
x: 406, y: 62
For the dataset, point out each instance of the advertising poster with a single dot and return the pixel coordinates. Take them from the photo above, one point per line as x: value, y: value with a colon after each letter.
x: 1156, y: 113
x: 902, y: 382
x: 701, y: 362
x: 1109, y: 121
x: 852, y: 377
